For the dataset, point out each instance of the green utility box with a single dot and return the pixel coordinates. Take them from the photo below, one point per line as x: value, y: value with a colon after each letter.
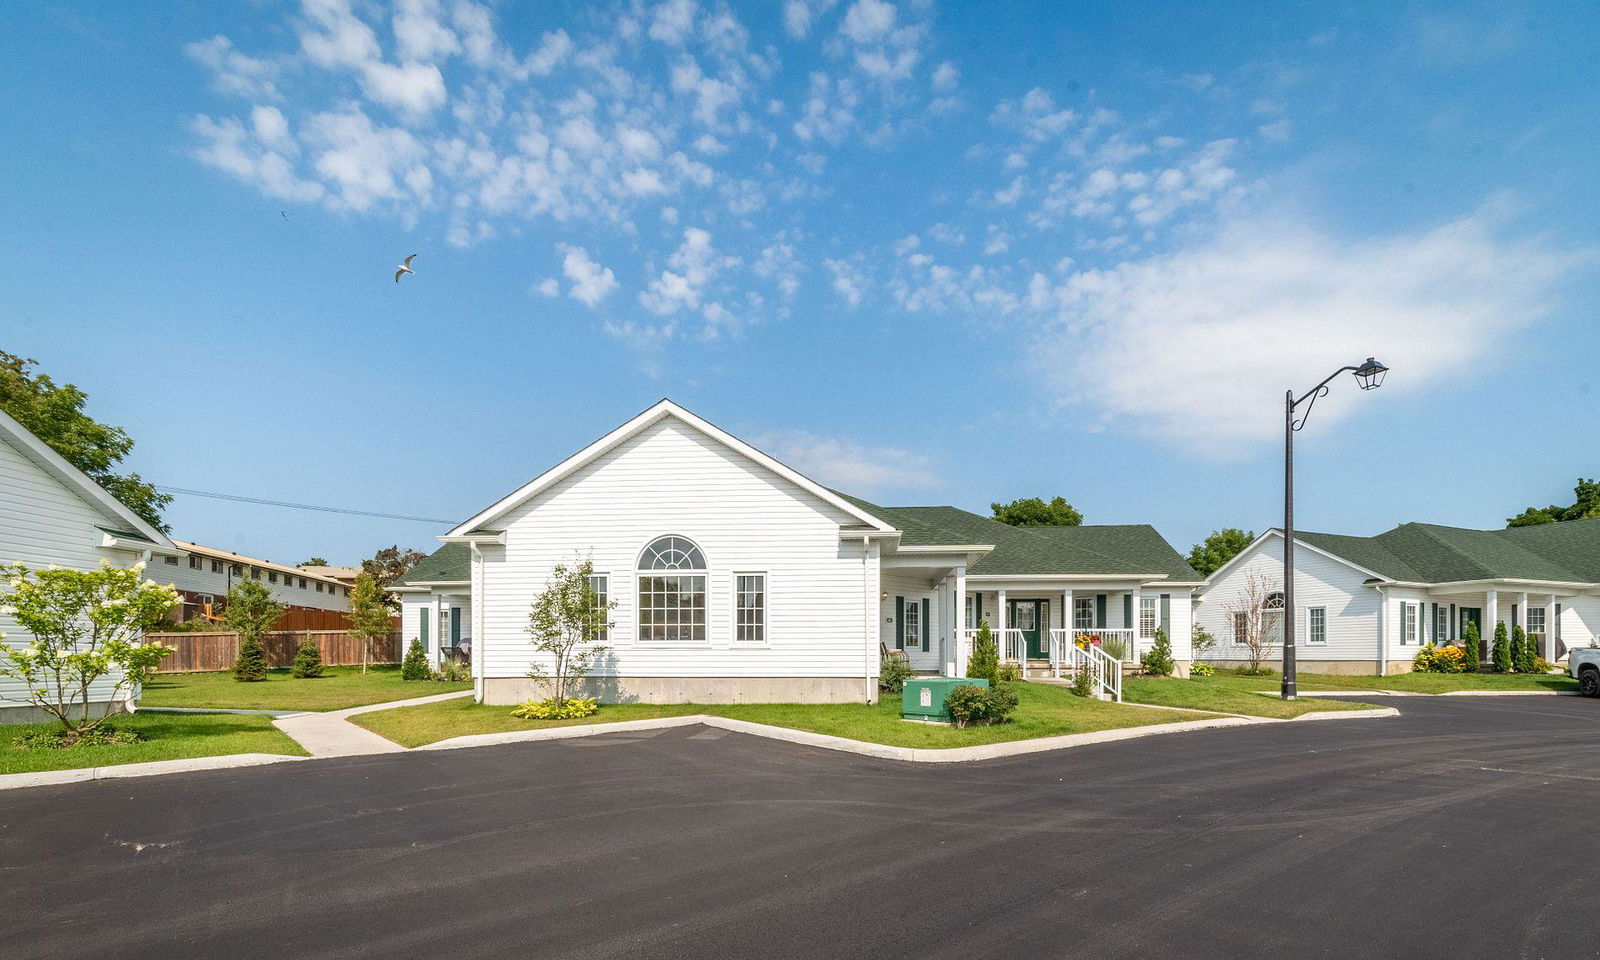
x: 924, y: 697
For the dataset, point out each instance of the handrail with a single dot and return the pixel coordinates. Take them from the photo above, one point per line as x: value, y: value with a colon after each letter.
x: 1104, y: 670
x: 1010, y: 644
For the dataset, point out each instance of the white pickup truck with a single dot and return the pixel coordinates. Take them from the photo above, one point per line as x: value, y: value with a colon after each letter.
x: 1584, y: 664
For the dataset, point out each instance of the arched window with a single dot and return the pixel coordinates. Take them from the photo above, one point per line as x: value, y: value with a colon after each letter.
x: 1272, y: 617
x: 672, y: 591
x: 1274, y: 601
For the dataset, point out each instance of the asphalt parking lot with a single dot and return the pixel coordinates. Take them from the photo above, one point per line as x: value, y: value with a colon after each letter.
x: 1463, y: 828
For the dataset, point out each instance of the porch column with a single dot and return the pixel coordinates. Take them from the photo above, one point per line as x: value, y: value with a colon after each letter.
x: 1068, y: 613
x: 1001, y: 617
x: 1491, y: 616
x: 440, y: 630
x: 959, y: 668
x: 1550, y: 624
x: 1138, y: 599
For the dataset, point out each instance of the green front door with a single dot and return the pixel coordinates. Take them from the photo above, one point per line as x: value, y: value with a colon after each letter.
x: 1028, y: 616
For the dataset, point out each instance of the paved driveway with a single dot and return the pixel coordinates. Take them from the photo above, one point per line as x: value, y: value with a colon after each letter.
x: 1464, y: 828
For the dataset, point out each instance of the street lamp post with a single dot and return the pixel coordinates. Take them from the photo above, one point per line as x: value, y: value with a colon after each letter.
x: 1369, y: 376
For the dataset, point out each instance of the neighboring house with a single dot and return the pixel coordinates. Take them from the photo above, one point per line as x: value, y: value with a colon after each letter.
x: 344, y: 575
x: 51, y: 513
x: 1366, y: 604
x: 737, y: 578
x: 204, y: 575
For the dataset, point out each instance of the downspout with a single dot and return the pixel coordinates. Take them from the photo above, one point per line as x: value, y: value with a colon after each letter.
x: 478, y: 639
x: 1383, y: 633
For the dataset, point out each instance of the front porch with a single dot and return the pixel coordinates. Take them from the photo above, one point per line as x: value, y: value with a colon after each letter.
x: 1442, y: 615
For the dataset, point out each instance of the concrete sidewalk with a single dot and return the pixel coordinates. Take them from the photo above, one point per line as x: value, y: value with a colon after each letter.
x: 331, y: 734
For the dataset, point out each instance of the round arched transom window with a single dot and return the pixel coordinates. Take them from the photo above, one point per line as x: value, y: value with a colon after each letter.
x: 672, y: 591
x: 1274, y: 601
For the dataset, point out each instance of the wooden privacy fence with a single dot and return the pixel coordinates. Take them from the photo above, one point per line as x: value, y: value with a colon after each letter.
x: 196, y: 652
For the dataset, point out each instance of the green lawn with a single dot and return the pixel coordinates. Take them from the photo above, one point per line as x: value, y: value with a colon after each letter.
x: 1225, y: 693
x: 1408, y: 682
x: 172, y: 736
x: 1043, y: 711
x: 336, y: 689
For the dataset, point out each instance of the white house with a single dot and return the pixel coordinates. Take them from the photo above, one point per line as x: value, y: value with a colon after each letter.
x: 736, y: 578
x: 51, y: 513
x: 204, y: 575
x: 1367, y: 604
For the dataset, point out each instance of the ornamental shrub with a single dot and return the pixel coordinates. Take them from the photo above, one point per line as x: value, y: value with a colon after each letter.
x: 893, y: 671
x: 453, y: 671
x: 1201, y: 670
x: 1526, y: 650
x: 984, y: 664
x: 1158, y: 659
x: 570, y: 708
x: 1008, y: 672
x: 252, y: 663
x: 971, y: 705
x: 307, y: 660
x: 1471, y: 648
x: 1502, y: 649
x: 1082, y: 684
x: 415, y: 665
x: 1436, y: 659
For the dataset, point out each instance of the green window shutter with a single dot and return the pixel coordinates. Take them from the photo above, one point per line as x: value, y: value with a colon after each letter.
x: 455, y: 626
x: 1127, y: 610
x: 900, y: 622
x: 1100, y: 611
x: 922, y: 625
x: 422, y: 627
x: 1166, y: 614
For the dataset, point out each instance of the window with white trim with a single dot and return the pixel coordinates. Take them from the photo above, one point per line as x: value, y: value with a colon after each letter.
x: 1316, y: 625
x: 1147, y: 617
x: 672, y: 592
x: 1441, y: 622
x: 1408, y: 623
x: 1083, y: 613
x: 599, y: 583
x: 194, y: 562
x: 750, y: 607
x: 1536, y: 620
x: 911, y: 624
x: 1241, y: 627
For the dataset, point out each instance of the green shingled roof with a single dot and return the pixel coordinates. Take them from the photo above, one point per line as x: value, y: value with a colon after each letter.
x: 451, y: 563
x: 1131, y: 549
x: 1429, y: 553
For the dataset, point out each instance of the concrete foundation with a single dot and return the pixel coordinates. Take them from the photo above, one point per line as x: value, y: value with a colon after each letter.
x: 511, y: 690
x: 27, y: 713
x: 1343, y: 668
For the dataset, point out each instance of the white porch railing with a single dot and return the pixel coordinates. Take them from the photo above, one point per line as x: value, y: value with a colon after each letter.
x: 1130, y: 643
x: 1104, y: 670
x: 1010, y: 643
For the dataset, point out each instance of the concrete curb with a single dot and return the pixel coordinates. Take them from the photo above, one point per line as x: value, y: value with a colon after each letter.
x: 45, y: 778
x: 1346, y: 714
x: 1509, y: 693
x: 1413, y: 693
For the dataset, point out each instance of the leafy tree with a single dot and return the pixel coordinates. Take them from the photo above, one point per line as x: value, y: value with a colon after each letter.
x: 566, y: 619
x: 314, y: 562
x: 54, y: 414
x: 369, y: 615
x: 87, y: 625
x: 415, y: 666
x: 390, y: 564
x: 1033, y: 512
x: 1217, y: 549
x: 984, y: 663
x: 307, y: 660
x: 1585, y: 506
x: 251, y: 612
x: 1158, y: 659
x: 1472, y: 648
x: 1501, y: 653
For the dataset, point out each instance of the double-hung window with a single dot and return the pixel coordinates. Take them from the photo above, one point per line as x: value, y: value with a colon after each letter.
x: 1083, y: 613
x: 600, y: 584
x: 1408, y: 623
x: 1316, y: 625
x: 672, y: 592
x: 750, y: 607
x: 911, y: 621
x: 1147, y: 617
x: 1536, y: 620
x: 1241, y: 627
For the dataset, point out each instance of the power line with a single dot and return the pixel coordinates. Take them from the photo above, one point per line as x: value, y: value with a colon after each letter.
x: 298, y: 506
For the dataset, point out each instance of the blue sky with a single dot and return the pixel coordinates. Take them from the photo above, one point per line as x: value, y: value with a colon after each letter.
x: 926, y: 252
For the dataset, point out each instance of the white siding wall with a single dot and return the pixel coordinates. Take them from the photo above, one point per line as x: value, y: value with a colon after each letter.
x: 669, y: 479
x: 914, y: 589
x: 1319, y: 582
x: 1580, y: 621
x: 203, y: 580
x: 411, y: 607
x: 43, y: 522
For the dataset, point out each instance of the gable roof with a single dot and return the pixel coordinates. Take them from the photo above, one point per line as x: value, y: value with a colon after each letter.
x: 1567, y: 552
x: 122, y: 523
x: 451, y: 563
x: 663, y: 409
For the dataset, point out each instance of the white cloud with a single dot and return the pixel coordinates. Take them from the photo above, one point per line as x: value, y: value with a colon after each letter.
x: 232, y: 72
x: 849, y: 465
x: 868, y: 21
x: 1197, y: 345
x: 685, y: 285
x: 673, y: 21
x: 550, y: 287
x: 228, y: 146
x: 849, y: 281
x: 945, y: 76
x: 1276, y: 131
x: 420, y: 33
x: 591, y: 282
x: 365, y: 162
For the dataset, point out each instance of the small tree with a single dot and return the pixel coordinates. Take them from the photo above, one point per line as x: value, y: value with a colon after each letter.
x: 1522, y: 650
x: 1471, y: 648
x: 87, y: 626
x: 369, y: 615
x: 415, y: 666
x: 307, y: 659
x: 1502, y: 649
x: 1200, y: 643
x: 984, y: 664
x: 250, y: 613
x: 1158, y: 659
x: 566, y: 621
x: 1252, y: 622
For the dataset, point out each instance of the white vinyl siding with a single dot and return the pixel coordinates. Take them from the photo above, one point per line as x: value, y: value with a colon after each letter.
x: 671, y: 479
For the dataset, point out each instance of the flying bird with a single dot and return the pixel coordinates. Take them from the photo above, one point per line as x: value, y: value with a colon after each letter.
x: 284, y: 214
x: 405, y: 268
